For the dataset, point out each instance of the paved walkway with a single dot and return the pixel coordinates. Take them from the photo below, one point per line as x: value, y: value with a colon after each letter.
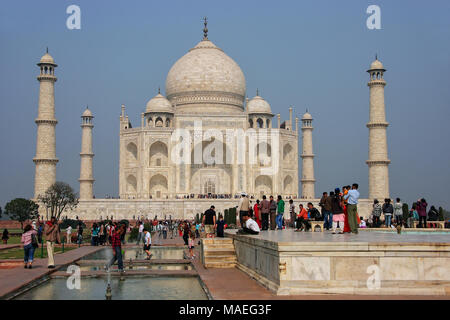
x: 9, y: 246
x: 13, y: 279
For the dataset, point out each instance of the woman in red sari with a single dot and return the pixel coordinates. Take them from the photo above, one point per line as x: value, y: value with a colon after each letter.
x: 256, y: 208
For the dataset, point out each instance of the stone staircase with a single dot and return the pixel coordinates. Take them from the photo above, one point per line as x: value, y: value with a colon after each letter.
x: 218, y: 253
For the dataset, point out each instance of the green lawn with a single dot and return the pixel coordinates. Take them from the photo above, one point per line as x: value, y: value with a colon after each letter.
x: 17, y: 253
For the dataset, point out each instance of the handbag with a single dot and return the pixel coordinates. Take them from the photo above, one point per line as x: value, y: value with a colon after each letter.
x: 34, y: 241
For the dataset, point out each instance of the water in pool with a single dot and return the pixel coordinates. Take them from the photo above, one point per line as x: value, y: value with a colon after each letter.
x: 132, y: 288
x: 137, y: 267
x: 138, y: 253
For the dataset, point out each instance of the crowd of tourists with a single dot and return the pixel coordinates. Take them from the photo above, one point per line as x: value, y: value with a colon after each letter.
x: 397, y: 214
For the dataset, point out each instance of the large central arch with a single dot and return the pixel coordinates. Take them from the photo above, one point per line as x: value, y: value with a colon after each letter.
x: 158, y: 186
x: 158, y: 155
x: 263, y: 185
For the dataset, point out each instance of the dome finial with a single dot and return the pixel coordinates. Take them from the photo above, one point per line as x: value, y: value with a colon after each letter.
x: 257, y: 91
x: 205, y: 29
x: 376, y: 56
x: 159, y: 90
x: 47, y: 49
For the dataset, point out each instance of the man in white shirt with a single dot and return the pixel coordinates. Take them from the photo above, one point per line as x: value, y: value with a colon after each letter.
x: 147, y: 243
x: 249, y: 226
x: 352, y: 197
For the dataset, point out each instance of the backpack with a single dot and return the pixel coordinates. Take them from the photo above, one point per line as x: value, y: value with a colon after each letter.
x: 34, y: 241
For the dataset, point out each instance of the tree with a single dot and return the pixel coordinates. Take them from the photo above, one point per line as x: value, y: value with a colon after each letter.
x: 1, y: 212
x: 22, y: 210
x: 441, y: 214
x: 58, y: 198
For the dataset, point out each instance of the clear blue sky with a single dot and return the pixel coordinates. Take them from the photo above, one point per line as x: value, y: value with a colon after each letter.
x: 311, y: 54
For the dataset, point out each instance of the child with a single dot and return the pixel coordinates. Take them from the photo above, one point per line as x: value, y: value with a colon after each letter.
x: 147, y: 244
x: 191, y: 244
x: 363, y: 223
x: 220, y: 227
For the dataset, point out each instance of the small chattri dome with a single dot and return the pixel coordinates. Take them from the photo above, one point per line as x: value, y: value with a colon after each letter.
x: 159, y: 104
x: 47, y: 58
x: 376, y: 65
x: 87, y: 113
x: 258, y: 105
x: 307, y: 116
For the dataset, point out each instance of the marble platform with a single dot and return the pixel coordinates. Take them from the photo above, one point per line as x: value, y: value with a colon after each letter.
x: 293, y: 263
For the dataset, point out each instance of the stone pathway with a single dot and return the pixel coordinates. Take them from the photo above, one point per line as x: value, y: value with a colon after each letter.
x: 13, y: 279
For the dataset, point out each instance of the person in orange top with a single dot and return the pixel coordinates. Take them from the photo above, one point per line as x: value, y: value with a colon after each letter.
x: 302, y: 219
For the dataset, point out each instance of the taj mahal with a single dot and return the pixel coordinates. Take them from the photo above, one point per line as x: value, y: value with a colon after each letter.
x: 203, y: 142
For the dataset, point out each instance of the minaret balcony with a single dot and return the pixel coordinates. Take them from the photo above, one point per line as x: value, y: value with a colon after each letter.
x: 378, y: 162
x: 48, y: 121
x: 47, y: 77
x: 377, y: 125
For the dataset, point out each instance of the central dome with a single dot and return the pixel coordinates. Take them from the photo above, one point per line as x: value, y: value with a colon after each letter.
x: 206, y: 80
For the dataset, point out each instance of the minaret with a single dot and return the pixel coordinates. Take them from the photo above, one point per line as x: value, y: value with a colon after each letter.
x: 86, y: 177
x: 308, y: 180
x: 45, y: 159
x: 378, y: 154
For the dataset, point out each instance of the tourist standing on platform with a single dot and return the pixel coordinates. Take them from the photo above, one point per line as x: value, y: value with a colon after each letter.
x: 147, y: 243
x: 69, y: 234
x: 140, y: 232
x: 52, y: 235
x: 220, y: 227
x: 376, y: 213
x: 338, y: 212
x: 243, y: 207
x: 322, y: 203
x: 421, y: 207
x: 388, y: 210
x: 344, y: 207
x: 328, y: 213
x: 209, y: 221
x: 117, y: 248
x: 29, y: 240
x: 352, y: 207
x: 5, y: 236
x: 292, y: 214
x: 265, y: 206
x: 257, y: 212
x: 272, y: 213
x: 280, y: 212
x: 302, y: 219
x: 398, y: 212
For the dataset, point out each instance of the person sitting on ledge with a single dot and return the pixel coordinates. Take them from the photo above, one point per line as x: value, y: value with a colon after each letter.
x: 249, y: 225
x: 302, y: 219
